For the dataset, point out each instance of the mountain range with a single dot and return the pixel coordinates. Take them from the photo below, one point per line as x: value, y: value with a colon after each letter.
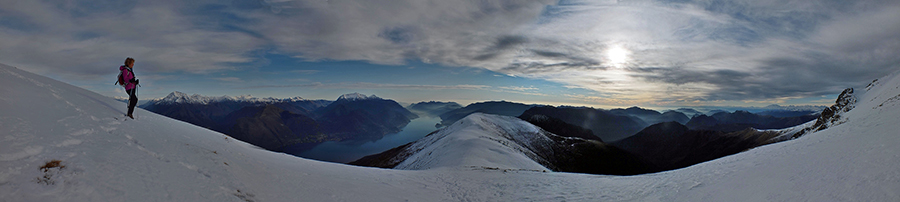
x: 620, y: 134
x: 65, y: 143
x: 209, y: 112
x: 541, y: 142
x: 274, y: 123
x: 741, y: 120
x: 617, y: 124
x: 773, y: 109
x: 558, y: 146
x: 356, y: 116
x: 671, y: 145
x: 502, y: 142
x: 273, y: 128
x: 491, y: 107
x: 605, y: 125
x: 650, y: 117
x: 267, y: 122
x: 433, y: 108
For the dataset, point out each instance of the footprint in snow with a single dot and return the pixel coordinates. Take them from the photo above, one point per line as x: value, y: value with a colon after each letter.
x: 69, y: 142
x: 82, y: 132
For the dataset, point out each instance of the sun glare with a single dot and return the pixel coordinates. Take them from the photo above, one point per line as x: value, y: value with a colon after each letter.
x: 617, y: 56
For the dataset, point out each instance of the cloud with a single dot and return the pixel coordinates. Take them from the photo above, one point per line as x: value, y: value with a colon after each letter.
x: 366, y: 85
x: 518, y: 88
x: 682, y: 51
x: 308, y: 85
x: 863, y: 40
x: 392, y: 32
x: 205, y: 36
x: 91, y: 38
x: 229, y: 79
x: 686, y: 51
x: 305, y: 71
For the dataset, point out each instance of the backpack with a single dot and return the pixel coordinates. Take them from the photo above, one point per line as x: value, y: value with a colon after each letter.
x: 121, y: 81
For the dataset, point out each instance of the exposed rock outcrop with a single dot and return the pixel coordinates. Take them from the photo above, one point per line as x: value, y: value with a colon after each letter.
x: 833, y: 115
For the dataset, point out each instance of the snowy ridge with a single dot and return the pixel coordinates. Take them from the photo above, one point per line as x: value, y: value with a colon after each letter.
x: 479, y: 140
x: 102, y: 157
x: 357, y: 97
x: 183, y: 98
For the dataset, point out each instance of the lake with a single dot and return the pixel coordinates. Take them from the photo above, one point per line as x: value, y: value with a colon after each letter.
x: 347, y: 151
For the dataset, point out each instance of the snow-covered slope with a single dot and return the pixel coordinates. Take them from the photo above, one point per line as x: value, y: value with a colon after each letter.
x: 156, y: 158
x: 479, y: 140
x: 856, y: 160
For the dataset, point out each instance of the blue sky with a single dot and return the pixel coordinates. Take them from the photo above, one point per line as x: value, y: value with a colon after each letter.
x: 657, y: 54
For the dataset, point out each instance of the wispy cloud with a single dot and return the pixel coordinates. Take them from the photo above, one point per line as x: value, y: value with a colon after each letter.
x: 307, y: 85
x: 705, y: 51
x: 302, y: 71
x: 90, y: 38
x: 229, y: 79
x: 680, y: 51
x: 518, y: 88
x: 366, y: 85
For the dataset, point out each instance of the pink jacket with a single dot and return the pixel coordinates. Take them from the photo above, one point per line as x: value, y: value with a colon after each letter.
x: 127, y: 76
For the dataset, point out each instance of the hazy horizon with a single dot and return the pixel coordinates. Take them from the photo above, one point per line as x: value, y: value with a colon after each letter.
x: 704, y: 109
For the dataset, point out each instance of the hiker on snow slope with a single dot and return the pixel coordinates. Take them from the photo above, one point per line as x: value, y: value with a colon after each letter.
x: 130, y: 82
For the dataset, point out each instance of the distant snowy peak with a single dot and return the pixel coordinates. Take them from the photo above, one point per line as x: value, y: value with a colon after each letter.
x: 795, y: 107
x: 183, y: 98
x: 357, y: 97
x: 179, y: 97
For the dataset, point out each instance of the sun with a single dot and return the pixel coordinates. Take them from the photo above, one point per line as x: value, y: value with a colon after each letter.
x: 617, y: 56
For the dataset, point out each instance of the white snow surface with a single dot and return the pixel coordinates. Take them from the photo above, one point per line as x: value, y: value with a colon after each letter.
x: 155, y: 158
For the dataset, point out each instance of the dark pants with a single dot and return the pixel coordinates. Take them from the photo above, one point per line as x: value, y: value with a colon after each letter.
x: 132, y: 100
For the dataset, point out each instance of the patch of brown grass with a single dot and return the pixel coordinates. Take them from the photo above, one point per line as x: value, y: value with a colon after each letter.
x: 52, y: 164
x: 48, y: 169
